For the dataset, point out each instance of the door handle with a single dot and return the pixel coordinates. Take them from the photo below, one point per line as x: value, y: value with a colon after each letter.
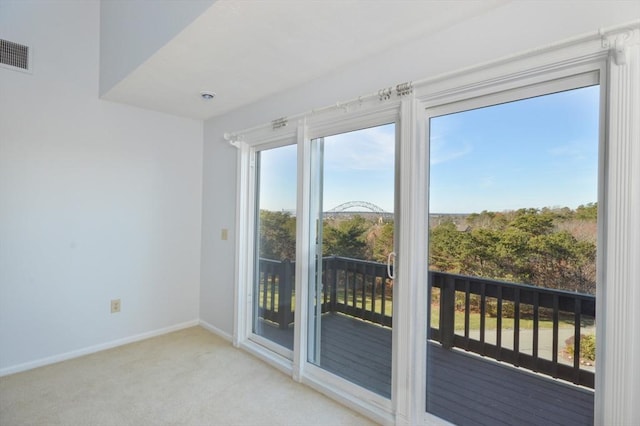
x: 391, y: 260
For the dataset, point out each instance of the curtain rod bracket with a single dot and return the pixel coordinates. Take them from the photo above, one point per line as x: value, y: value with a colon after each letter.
x: 233, y: 139
x: 279, y: 123
x: 617, y: 43
x: 404, y: 89
x: 384, y: 94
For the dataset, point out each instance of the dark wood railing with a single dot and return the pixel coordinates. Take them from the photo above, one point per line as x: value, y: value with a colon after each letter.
x: 276, y: 294
x: 539, y: 303
x: 361, y: 289
x: 358, y: 288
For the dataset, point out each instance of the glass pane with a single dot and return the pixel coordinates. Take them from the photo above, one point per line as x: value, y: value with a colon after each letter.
x: 512, y: 258
x: 351, y: 314
x: 274, y: 284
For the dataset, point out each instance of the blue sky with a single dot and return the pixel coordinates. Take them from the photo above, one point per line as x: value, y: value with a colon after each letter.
x: 539, y: 152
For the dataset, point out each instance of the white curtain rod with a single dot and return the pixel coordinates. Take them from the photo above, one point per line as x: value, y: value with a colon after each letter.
x: 407, y: 88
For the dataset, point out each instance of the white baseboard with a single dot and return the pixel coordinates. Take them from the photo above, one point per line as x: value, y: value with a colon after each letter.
x: 215, y: 330
x: 95, y: 348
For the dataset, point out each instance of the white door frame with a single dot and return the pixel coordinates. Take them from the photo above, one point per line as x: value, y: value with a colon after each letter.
x: 616, y: 53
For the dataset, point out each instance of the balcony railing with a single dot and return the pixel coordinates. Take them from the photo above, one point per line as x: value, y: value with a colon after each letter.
x: 276, y: 291
x: 555, y: 306
x: 361, y: 289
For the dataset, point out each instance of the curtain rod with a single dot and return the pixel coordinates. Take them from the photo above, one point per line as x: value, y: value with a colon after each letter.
x: 407, y: 88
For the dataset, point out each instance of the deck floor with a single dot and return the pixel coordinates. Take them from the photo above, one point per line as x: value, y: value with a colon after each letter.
x: 462, y: 388
x: 353, y: 349
x: 358, y: 351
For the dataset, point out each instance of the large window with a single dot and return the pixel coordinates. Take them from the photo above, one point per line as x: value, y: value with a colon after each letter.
x: 473, y: 261
x: 275, y: 246
x: 351, y: 307
x: 513, y: 199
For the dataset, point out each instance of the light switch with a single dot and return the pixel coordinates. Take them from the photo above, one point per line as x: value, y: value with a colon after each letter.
x: 224, y: 234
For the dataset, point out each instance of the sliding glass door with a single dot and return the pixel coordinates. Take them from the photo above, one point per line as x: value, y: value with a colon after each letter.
x: 351, y: 282
x: 513, y: 195
x: 500, y: 177
x: 275, y: 248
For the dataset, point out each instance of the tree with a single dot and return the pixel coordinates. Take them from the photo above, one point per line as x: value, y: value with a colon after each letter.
x: 513, y: 255
x: 346, y: 238
x: 553, y: 248
x: 487, y: 220
x: 547, y: 247
x: 587, y: 211
x: 479, y: 253
x: 445, y: 248
x: 277, y: 235
x: 380, y: 239
x: 533, y: 222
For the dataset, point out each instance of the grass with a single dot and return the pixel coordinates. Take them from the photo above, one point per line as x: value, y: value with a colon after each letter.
x: 491, y: 323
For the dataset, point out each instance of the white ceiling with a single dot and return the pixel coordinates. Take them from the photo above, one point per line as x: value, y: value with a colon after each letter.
x: 245, y: 50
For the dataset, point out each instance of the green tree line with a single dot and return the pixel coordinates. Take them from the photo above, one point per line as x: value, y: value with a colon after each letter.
x: 355, y: 236
x: 553, y: 248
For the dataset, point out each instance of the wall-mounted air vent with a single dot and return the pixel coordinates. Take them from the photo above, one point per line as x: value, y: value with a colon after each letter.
x: 14, y: 55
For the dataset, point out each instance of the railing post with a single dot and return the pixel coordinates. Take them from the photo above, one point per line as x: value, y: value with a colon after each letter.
x: 447, y: 311
x: 284, y: 295
x: 333, y: 300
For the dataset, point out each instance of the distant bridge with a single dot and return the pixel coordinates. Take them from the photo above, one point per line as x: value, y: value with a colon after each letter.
x: 351, y: 204
x: 346, y: 208
x: 343, y: 209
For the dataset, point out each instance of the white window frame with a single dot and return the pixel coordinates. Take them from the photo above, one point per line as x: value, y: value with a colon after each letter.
x: 252, y: 213
x: 362, y: 400
x: 243, y: 336
x: 616, y: 57
x: 583, y: 75
x: 615, y: 54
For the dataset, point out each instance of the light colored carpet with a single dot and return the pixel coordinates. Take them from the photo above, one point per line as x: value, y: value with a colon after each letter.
x: 190, y: 377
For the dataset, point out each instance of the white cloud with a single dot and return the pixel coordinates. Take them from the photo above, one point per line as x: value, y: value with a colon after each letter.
x: 575, y: 150
x: 367, y: 149
x: 444, y: 151
x: 487, y: 181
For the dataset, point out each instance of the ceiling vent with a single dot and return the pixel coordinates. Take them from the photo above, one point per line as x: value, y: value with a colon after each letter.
x: 14, y: 56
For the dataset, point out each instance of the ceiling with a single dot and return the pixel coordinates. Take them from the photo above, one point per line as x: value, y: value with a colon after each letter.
x: 246, y: 50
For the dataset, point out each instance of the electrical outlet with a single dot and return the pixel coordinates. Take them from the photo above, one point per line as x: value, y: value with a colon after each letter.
x: 115, y: 306
x: 224, y: 234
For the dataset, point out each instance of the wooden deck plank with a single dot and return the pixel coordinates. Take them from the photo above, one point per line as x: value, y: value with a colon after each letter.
x: 358, y: 351
x: 353, y: 349
x: 271, y: 331
x: 482, y: 373
x: 460, y: 382
x: 462, y: 388
x: 482, y: 378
